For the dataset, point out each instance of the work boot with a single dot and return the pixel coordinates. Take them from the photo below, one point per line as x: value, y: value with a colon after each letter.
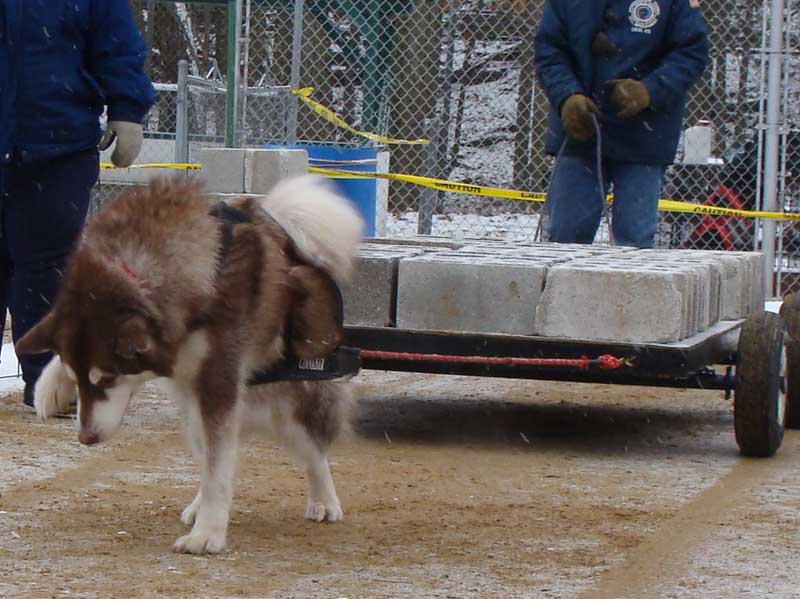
x: 27, y: 396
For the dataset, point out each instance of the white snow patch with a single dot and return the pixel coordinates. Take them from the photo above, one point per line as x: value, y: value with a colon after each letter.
x: 10, y: 374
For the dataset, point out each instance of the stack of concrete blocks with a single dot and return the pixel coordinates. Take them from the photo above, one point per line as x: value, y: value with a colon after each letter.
x: 249, y: 171
x: 479, y: 288
x: 629, y: 300
x: 648, y: 296
x: 566, y: 291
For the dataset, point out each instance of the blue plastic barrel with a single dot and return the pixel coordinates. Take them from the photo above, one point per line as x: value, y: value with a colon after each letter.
x: 362, y: 192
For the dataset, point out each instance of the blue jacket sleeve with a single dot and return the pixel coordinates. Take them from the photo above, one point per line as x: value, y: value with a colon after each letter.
x: 685, y: 59
x: 115, y: 58
x: 552, y: 58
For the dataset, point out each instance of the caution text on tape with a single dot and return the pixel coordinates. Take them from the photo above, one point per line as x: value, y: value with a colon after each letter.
x: 665, y: 205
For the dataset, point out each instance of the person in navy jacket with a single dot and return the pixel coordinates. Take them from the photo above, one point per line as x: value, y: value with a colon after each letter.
x: 623, y: 66
x: 62, y: 63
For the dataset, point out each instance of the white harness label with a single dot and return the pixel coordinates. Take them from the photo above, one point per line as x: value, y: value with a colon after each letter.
x: 313, y: 364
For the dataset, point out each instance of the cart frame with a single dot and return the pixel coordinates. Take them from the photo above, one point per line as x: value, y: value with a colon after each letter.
x: 750, y: 352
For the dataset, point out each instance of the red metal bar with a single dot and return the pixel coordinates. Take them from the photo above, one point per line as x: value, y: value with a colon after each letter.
x: 604, y: 362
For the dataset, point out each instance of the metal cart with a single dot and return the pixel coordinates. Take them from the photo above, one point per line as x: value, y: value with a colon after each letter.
x: 747, y: 359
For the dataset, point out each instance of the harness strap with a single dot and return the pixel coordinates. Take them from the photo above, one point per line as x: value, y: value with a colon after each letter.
x: 341, y: 362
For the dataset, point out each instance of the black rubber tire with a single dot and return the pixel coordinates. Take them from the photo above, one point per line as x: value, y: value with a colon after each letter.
x: 793, y: 384
x: 758, y: 411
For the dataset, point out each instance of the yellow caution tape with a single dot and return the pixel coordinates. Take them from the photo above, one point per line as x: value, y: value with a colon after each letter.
x: 438, y: 184
x: 304, y: 95
x: 665, y: 205
x: 676, y: 206
x: 180, y: 166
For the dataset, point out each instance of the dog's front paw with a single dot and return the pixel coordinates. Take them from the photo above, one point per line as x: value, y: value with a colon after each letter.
x: 54, y: 390
x: 200, y: 541
x: 329, y: 511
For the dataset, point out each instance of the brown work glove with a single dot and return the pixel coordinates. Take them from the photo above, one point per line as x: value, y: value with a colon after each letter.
x: 629, y: 96
x: 576, y: 116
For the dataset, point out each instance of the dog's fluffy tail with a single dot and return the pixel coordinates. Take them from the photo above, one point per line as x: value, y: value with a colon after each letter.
x: 324, y: 226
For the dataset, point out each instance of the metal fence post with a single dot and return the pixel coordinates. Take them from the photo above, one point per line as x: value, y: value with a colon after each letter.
x: 182, y: 114
x: 773, y: 126
x: 232, y: 100
x: 148, y: 35
x: 428, y: 196
x: 297, y: 50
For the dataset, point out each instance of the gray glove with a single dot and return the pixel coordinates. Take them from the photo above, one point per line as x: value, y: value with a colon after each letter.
x: 129, y: 141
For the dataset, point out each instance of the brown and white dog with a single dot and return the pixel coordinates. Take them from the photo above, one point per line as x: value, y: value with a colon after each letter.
x: 159, y: 287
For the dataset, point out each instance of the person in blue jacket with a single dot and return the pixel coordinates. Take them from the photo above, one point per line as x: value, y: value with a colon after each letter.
x: 622, y: 67
x: 62, y: 62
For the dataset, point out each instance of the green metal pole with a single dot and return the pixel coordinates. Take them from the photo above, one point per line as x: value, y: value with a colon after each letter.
x: 377, y: 26
x: 230, y: 97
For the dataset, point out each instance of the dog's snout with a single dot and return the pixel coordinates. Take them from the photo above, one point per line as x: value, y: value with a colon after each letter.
x: 88, y: 437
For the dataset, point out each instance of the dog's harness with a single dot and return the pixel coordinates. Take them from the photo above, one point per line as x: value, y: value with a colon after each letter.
x: 341, y: 362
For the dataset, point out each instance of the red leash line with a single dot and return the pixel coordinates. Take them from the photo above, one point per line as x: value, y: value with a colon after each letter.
x: 604, y: 362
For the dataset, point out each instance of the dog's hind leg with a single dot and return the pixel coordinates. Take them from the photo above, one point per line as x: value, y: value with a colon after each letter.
x: 318, y: 413
x: 323, y: 502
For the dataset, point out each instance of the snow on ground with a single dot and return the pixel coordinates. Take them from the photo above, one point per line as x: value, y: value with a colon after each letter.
x: 512, y: 227
x: 10, y: 379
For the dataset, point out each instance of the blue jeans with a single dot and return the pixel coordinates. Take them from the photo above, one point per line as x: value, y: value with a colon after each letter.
x: 43, y: 207
x: 575, y: 208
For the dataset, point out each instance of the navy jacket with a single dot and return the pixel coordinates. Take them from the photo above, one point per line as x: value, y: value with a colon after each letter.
x: 662, y: 43
x: 61, y: 62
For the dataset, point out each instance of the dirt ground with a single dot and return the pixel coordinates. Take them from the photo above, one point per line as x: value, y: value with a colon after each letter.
x: 452, y: 487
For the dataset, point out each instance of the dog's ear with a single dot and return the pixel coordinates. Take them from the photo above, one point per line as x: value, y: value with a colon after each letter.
x: 41, y: 338
x: 315, y: 327
x: 133, y: 338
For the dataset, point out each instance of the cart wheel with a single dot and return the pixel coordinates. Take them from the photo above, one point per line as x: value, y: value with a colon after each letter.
x: 759, y: 403
x: 790, y: 312
x: 792, y: 384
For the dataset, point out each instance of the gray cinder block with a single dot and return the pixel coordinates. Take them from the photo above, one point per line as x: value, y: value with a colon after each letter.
x: 222, y: 169
x: 469, y: 293
x: 264, y: 168
x: 612, y: 302
x: 742, y: 282
x: 418, y: 241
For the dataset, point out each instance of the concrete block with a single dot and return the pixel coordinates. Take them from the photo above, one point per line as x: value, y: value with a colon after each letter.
x: 614, y: 303
x: 743, y: 290
x: 264, y: 168
x: 370, y: 296
x: 547, y: 255
x: 382, y: 194
x: 744, y: 277
x: 483, y: 294
x: 223, y: 169
x: 422, y: 241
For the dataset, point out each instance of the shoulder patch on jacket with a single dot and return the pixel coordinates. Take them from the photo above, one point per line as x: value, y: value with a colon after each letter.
x: 643, y: 14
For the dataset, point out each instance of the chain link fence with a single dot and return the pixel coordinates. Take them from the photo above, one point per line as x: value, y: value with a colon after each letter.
x: 459, y: 73
x: 788, y: 251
